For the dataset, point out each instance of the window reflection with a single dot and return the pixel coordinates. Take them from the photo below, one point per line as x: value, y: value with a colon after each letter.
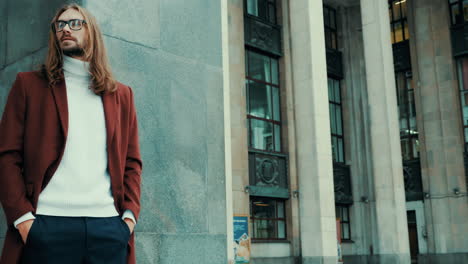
x: 268, y: 218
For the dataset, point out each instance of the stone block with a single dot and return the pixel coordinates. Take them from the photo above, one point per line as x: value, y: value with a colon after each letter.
x: 192, y: 29
x: 8, y: 76
x: 3, y: 32
x: 135, y: 22
x: 28, y: 27
x: 182, y: 161
x: 193, y: 248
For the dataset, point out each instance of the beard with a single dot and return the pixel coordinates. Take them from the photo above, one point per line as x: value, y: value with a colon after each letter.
x: 74, y: 52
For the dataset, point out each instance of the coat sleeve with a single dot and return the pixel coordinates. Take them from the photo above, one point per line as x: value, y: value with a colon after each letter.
x: 12, y: 187
x: 133, y: 164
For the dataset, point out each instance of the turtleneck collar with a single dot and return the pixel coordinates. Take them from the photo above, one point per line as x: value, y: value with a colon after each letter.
x: 75, y: 66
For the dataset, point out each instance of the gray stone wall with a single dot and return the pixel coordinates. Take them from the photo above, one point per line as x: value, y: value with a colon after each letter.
x: 169, y: 52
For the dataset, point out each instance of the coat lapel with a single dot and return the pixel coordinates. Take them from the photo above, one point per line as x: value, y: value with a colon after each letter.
x: 110, y: 111
x: 60, y: 96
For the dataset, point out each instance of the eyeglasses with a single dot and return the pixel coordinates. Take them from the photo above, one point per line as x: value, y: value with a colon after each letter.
x: 74, y: 24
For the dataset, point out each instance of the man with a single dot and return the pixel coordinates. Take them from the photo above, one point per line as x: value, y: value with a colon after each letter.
x: 70, y: 162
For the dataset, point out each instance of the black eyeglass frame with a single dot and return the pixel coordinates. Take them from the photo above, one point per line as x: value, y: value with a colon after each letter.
x: 67, y: 22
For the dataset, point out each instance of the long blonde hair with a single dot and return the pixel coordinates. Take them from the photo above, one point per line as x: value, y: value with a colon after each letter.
x: 94, y: 52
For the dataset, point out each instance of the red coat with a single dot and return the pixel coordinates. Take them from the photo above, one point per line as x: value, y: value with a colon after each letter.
x: 33, y: 132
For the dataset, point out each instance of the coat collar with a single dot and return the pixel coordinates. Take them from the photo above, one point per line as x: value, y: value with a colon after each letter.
x: 109, y: 102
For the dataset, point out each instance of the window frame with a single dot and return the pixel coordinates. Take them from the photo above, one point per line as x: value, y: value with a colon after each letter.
x: 271, y: 121
x: 462, y: 83
x: 267, y: 19
x: 275, y: 219
x: 344, y: 222
x: 334, y: 116
x: 403, y: 20
x: 454, y: 21
x: 408, y: 91
x: 331, y: 27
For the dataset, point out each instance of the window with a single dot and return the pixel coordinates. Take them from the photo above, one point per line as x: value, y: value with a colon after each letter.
x: 336, y: 120
x: 398, y: 20
x: 407, y: 116
x: 264, y: 9
x: 263, y: 102
x: 458, y: 11
x: 329, y: 20
x: 268, y: 218
x: 462, y: 65
x: 342, y: 212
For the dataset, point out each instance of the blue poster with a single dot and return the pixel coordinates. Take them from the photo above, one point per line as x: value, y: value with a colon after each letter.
x: 241, y: 240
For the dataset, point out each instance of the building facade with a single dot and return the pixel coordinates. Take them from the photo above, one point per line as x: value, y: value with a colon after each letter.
x: 335, y: 129
x: 350, y: 110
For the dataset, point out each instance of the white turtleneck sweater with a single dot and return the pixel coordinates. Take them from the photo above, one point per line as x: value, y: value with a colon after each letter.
x: 81, y: 184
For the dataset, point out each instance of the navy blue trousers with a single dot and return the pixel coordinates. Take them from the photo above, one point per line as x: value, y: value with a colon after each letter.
x: 76, y: 240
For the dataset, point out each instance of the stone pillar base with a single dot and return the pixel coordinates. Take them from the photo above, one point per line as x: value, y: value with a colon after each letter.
x: 377, y: 259
x: 319, y: 260
x: 453, y: 258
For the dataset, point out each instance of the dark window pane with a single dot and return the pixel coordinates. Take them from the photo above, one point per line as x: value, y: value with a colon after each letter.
x: 281, y: 229
x: 264, y: 228
x: 465, y: 9
x: 335, y: 149
x: 259, y: 67
x: 263, y: 9
x: 261, y: 135
x: 333, y: 41
x: 276, y: 104
x: 340, y: 150
x: 415, y: 146
x: 271, y: 13
x: 398, y: 32
x: 247, y: 62
x: 332, y: 19
x: 336, y: 85
x: 326, y: 17
x: 252, y: 7
x: 392, y: 34
x: 345, y: 232
x: 333, y: 118
x: 464, y: 103
x: 396, y: 11
x: 344, y: 216
x: 328, y: 39
x: 264, y: 208
x: 455, y: 14
x: 406, y: 31
x: 331, y: 94
x: 466, y: 135
x: 259, y: 100
x: 403, y: 9
x: 277, y: 138
x: 274, y: 71
x: 280, y: 209
x: 339, y: 129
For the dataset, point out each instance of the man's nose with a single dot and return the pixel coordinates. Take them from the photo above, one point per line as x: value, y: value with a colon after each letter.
x: 67, y: 28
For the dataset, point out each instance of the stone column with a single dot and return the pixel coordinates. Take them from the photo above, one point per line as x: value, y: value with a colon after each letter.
x: 313, y: 154
x: 439, y: 122
x: 388, y: 195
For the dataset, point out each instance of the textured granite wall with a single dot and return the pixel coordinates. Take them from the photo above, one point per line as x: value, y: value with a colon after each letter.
x: 169, y: 52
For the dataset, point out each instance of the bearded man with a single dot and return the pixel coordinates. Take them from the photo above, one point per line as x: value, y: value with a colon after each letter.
x: 70, y: 165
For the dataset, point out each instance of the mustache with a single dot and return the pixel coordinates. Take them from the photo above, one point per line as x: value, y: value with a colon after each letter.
x: 69, y: 37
